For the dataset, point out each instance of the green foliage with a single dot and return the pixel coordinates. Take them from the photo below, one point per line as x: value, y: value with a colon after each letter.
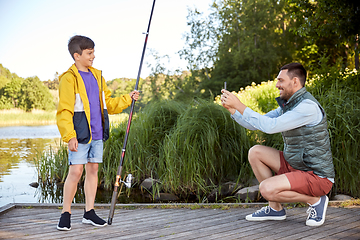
x: 37, y: 95
x: 241, y: 42
x: 246, y: 41
x: 260, y: 98
x: 204, y: 149
x: 18, y: 117
x: 341, y: 101
x: 28, y: 94
x: 187, y: 147
x: 52, y: 165
x: 11, y: 93
x: 148, y: 129
x: 53, y: 84
x: 330, y: 25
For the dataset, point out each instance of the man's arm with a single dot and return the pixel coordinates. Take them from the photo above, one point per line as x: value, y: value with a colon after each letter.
x: 239, y: 118
x: 306, y: 113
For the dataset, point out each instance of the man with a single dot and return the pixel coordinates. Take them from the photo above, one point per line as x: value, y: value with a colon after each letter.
x: 304, y: 170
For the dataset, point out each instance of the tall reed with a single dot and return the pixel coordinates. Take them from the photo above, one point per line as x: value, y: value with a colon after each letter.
x: 148, y: 130
x: 189, y: 148
x: 204, y: 149
x: 341, y: 102
x: 52, y: 165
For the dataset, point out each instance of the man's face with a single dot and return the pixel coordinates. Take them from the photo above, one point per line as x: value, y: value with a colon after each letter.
x: 86, y: 58
x: 285, y: 85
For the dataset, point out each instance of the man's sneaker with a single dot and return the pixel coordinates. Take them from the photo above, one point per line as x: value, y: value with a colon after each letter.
x: 267, y: 213
x: 64, y: 222
x: 317, y: 213
x: 90, y: 217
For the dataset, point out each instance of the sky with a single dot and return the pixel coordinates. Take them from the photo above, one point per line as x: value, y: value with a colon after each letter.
x: 34, y: 34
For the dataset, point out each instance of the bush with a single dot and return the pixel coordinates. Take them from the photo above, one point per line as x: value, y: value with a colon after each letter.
x: 187, y: 148
x: 148, y: 130
x: 260, y: 98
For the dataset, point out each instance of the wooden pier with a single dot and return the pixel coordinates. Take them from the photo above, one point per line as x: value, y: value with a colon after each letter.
x: 175, y: 221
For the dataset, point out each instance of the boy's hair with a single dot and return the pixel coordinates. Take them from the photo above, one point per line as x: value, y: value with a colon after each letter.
x: 296, y: 70
x: 79, y: 43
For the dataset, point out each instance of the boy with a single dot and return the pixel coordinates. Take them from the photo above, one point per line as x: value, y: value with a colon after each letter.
x: 82, y: 119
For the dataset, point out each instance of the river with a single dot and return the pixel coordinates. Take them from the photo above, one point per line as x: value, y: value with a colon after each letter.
x: 18, y: 146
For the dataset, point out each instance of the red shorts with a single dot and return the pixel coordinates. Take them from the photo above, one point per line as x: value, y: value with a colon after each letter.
x: 303, y: 182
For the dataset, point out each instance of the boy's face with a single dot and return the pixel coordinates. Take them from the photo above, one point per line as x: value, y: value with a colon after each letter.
x: 86, y: 59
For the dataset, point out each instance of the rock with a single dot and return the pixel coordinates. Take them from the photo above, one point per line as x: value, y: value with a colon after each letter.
x: 34, y: 184
x: 227, y: 188
x: 341, y: 197
x: 224, y: 190
x: 248, y: 193
x: 166, y: 197
x: 254, y: 182
x: 148, y: 184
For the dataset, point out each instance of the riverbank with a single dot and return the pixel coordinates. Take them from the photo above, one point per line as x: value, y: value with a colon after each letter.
x: 19, y: 117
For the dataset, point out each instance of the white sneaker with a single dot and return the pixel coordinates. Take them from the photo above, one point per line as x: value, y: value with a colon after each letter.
x: 317, y: 214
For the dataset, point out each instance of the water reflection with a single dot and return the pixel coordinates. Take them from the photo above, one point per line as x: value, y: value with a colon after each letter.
x: 15, y: 150
x: 18, y: 147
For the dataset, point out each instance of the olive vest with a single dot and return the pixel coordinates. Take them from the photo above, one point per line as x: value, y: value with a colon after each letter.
x: 307, y: 148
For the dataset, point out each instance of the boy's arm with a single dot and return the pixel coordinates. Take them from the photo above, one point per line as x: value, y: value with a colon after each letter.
x: 117, y: 104
x: 65, y: 111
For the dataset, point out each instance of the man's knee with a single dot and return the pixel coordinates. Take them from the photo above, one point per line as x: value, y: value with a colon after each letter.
x: 254, y: 152
x: 266, y: 190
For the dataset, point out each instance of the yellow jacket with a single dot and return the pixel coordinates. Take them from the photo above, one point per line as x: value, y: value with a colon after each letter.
x: 73, y: 113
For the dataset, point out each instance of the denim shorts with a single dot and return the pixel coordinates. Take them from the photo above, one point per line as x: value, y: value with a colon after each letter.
x: 87, y: 153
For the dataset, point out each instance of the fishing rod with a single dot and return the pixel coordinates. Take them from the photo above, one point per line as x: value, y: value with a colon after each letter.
x: 118, y: 174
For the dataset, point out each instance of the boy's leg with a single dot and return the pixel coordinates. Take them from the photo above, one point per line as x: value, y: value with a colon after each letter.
x: 91, y: 180
x: 70, y: 186
x: 90, y: 185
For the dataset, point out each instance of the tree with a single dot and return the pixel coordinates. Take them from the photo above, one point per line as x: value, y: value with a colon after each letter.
x: 246, y: 41
x: 11, y: 91
x: 35, y: 95
x: 54, y: 84
x: 332, y: 26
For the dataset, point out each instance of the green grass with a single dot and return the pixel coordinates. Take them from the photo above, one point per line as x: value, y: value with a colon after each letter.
x: 341, y: 102
x: 189, y: 148
x: 19, y: 117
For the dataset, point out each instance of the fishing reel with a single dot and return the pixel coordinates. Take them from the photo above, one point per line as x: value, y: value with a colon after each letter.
x: 128, y: 180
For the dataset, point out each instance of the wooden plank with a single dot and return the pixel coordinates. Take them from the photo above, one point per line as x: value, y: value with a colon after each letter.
x: 333, y: 218
x: 190, y: 218
x: 184, y: 228
x: 177, y: 223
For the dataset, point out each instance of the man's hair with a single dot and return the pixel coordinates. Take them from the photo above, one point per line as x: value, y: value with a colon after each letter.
x: 79, y: 43
x: 296, y: 70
